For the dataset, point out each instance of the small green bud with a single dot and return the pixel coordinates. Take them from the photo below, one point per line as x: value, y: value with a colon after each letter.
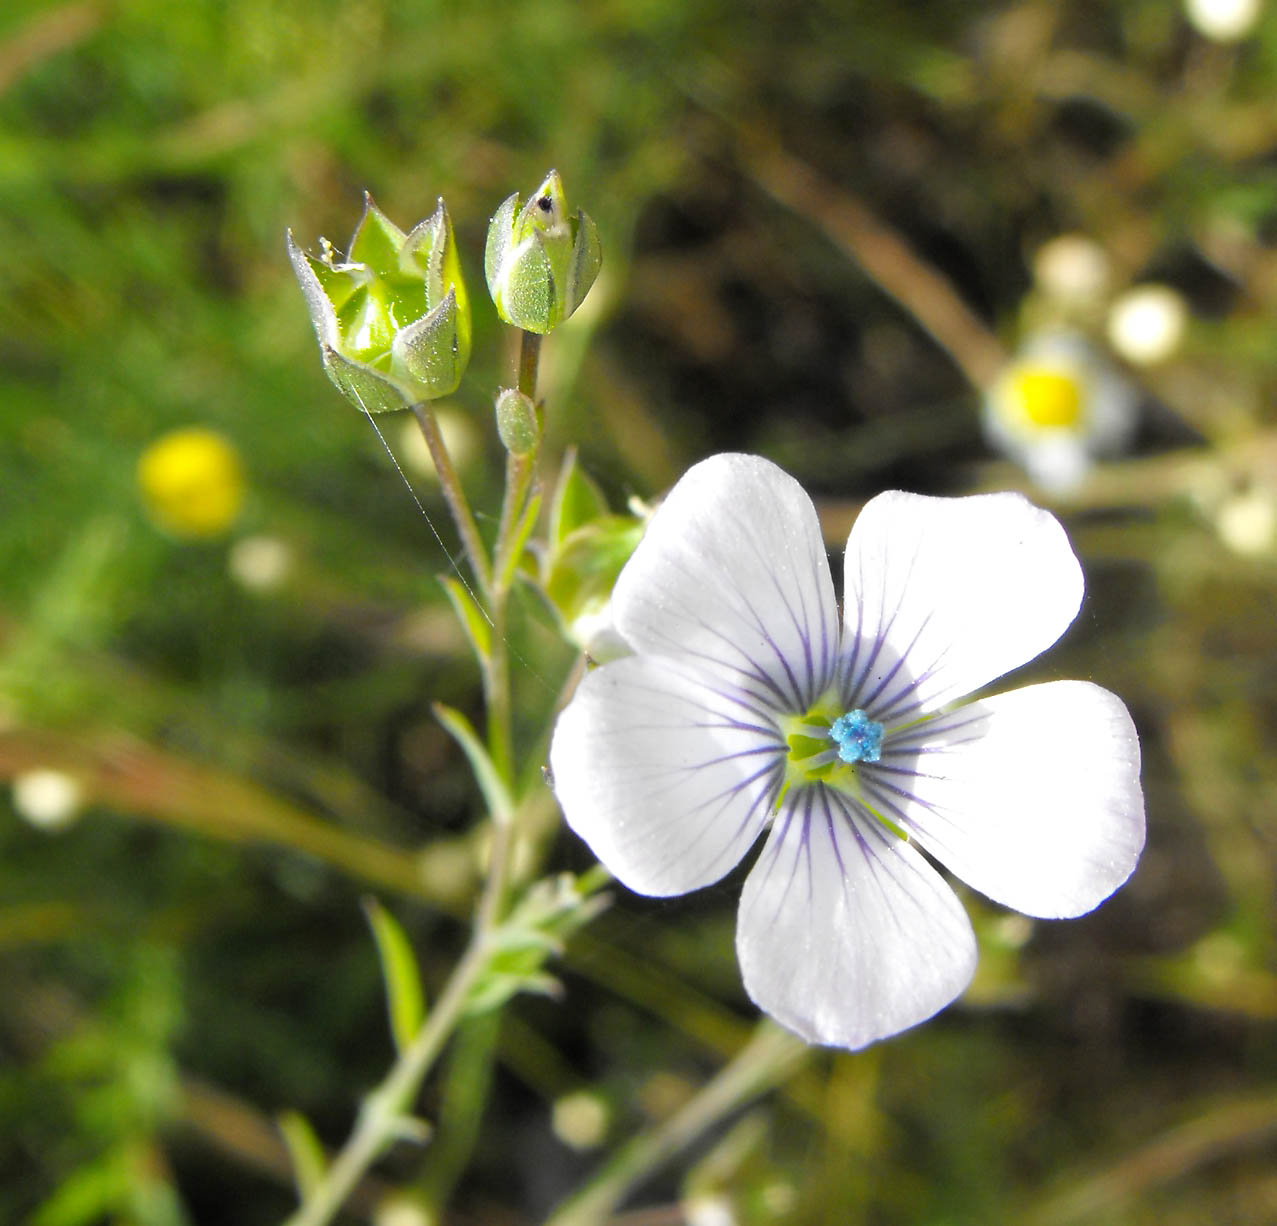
x: 393, y: 319
x: 539, y: 261
x: 516, y: 421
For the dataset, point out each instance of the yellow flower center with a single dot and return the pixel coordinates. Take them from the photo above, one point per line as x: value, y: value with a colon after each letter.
x: 1048, y: 398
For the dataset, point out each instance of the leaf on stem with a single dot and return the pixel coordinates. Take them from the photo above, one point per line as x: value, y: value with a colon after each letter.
x: 306, y: 1151
x: 495, y: 791
x: 519, y: 539
x: 472, y: 618
x: 405, y: 999
x: 575, y: 502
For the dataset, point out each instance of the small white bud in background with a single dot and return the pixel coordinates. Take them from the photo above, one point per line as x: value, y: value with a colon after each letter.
x: 47, y: 799
x: 260, y: 563
x: 581, y: 1120
x: 1247, y: 522
x: 1071, y: 268
x: 397, y: 1211
x: 460, y: 436
x: 1223, y: 21
x: 1146, y: 324
x: 708, y: 1211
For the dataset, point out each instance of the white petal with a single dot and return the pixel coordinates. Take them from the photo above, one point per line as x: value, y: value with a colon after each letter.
x: 1032, y: 797
x: 846, y: 934
x: 732, y: 569
x: 667, y: 777
x: 946, y: 594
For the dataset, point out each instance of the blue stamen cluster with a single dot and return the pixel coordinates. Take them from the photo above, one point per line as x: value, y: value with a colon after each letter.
x: 859, y: 738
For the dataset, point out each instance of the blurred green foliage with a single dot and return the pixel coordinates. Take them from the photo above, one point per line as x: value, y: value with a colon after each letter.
x: 189, y: 958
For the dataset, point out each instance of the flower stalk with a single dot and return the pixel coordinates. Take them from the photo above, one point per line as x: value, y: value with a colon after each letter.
x: 769, y: 1058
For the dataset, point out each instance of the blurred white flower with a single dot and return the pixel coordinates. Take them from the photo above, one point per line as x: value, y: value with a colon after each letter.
x: 1247, y: 521
x: 260, y: 563
x: 1071, y: 268
x: 1146, y: 323
x: 1056, y: 407
x: 581, y: 1120
x: 48, y: 799
x: 709, y: 1210
x: 462, y: 438
x: 749, y: 707
x: 1223, y: 21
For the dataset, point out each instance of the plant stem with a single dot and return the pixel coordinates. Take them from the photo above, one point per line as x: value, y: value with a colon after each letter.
x: 766, y: 1060
x: 387, y: 1109
x: 386, y: 1106
x: 454, y: 495
x: 518, y: 479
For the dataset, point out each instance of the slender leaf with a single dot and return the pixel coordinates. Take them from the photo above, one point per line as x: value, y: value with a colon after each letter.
x: 405, y: 998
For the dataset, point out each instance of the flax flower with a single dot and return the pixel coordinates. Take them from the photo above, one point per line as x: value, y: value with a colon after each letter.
x: 749, y: 708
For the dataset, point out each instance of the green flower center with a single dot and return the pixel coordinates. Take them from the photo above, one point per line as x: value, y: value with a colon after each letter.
x: 825, y: 746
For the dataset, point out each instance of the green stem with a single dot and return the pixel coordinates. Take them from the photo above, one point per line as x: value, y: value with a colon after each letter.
x: 387, y: 1109
x: 454, y: 495
x: 767, y: 1059
x: 519, y: 470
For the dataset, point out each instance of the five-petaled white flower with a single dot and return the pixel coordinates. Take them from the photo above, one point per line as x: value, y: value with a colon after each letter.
x: 747, y: 705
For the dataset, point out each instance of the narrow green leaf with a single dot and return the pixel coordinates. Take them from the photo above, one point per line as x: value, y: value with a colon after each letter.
x: 304, y: 1148
x: 472, y: 618
x: 575, y: 502
x: 405, y: 999
x: 495, y: 792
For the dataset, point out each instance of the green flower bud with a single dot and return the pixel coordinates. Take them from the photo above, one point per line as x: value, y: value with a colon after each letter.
x: 393, y: 319
x: 516, y: 421
x: 539, y: 261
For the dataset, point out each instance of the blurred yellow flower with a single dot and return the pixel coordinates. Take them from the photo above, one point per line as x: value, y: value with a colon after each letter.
x: 192, y: 482
x: 1056, y: 407
x: 1046, y: 397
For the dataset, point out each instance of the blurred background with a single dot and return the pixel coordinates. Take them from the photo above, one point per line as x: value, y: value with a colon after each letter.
x: 886, y: 245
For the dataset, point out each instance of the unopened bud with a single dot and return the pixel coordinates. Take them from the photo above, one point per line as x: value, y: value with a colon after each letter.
x: 540, y: 262
x: 516, y: 421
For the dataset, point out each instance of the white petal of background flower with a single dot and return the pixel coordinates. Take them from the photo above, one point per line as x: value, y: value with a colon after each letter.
x: 846, y: 934
x: 961, y: 590
x: 732, y: 569
x: 1032, y: 797
x: 664, y: 774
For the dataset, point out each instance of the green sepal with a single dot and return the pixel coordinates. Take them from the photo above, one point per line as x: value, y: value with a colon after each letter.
x: 363, y: 386
x: 309, y: 1161
x: 433, y: 352
x: 526, y: 295
x: 472, y: 618
x: 587, y: 259
x: 405, y: 998
x: 376, y: 241
x: 495, y: 792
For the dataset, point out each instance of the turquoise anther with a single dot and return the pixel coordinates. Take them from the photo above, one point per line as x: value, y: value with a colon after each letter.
x: 859, y: 738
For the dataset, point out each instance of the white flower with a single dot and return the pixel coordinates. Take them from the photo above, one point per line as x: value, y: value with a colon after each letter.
x: 725, y: 723
x: 1056, y: 406
x: 49, y: 799
x: 1223, y: 21
x: 1146, y: 324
